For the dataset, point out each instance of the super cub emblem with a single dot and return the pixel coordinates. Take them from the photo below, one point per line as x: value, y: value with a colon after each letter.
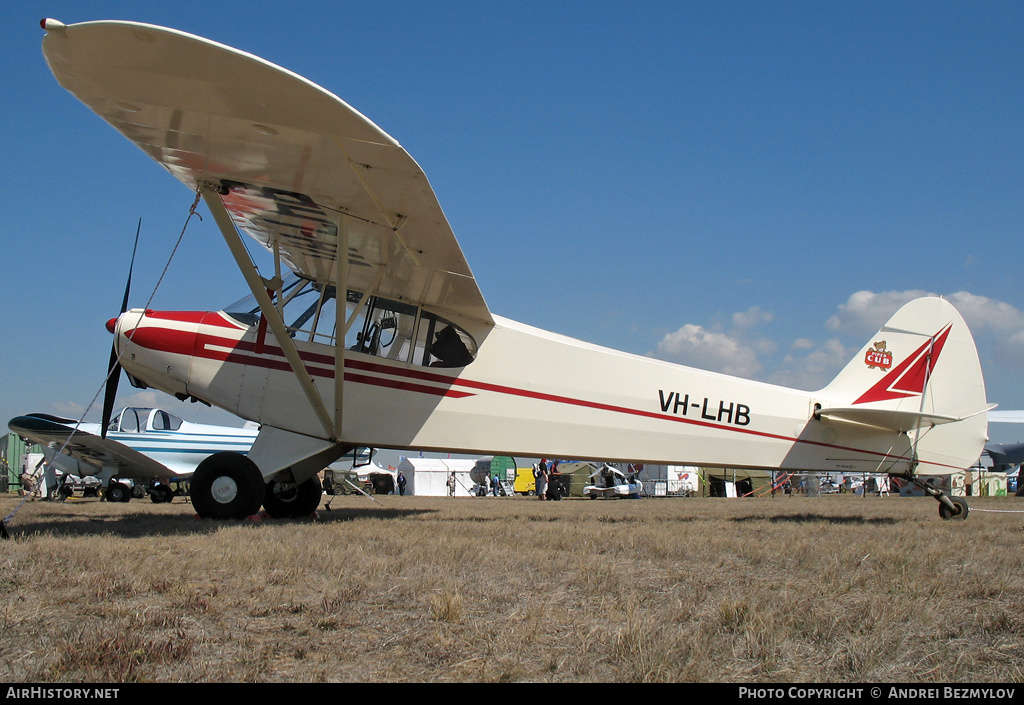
x: 877, y: 357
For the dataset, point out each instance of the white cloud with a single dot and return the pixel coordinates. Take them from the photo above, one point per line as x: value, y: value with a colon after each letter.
x: 994, y: 323
x: 732, y: 353
x: 815, y: 368
x: 68, y: 409
x: 753, y: 316
x: 983, y: 313
x: 998, y: 328
x: 74, y: 410
x: 865, y: 311
x: 697, y: 346
x: 145, y: 399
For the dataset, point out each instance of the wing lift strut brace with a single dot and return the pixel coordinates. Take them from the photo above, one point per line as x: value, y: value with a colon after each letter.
x: 331, y: 422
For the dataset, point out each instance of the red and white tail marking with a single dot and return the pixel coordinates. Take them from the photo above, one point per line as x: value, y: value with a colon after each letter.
x: 910, y: 377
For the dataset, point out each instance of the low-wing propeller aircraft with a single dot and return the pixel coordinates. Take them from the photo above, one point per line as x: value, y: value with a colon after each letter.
x: 148, y: 447
x: 383, y: 293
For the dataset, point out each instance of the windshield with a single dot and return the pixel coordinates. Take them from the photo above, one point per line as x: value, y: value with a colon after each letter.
x: 135, y: 419
x: 247, y: 311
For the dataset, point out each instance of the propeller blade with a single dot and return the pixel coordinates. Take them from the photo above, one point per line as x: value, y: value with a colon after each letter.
x: 114, y: 367
x: 113, y: 375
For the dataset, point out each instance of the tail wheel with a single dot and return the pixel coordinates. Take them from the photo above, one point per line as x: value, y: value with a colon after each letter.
x: 292, y: 501
x: 227, y: 486
x: 961, y: 509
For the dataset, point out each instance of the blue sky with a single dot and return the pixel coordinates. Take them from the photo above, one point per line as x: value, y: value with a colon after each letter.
x: 746, y: 187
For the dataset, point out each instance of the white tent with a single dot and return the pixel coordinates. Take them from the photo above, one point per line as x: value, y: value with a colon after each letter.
x: 683, y: 479
x: 429, y: 476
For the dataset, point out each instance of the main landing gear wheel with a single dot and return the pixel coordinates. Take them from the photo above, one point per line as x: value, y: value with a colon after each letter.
x: 291, y: 501
x: 227, y: 486
x: 161, y: 494
x: 118, y: 492
x: 961, y: 509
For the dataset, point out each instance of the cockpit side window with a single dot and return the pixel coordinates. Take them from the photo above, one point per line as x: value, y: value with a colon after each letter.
x: 386, y: 331
x: 381, y: 327
x: 402, y: 332
x: 162, y: 421
x: 451, y: 348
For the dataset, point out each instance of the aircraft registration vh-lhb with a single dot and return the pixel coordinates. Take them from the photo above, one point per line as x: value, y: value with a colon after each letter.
x: 427, y: 366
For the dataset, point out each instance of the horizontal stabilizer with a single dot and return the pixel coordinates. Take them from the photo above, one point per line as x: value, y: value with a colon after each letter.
x: 893, y: 419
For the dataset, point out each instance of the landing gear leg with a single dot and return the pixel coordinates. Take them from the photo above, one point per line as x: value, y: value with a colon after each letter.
x: 949, y: 507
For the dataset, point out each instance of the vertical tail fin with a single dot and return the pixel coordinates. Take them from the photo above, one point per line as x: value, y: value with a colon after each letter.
x: 920, y: 374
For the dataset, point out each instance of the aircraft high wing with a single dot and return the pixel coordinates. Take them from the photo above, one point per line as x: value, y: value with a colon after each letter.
x: 286, y: 179
x: 147, y: 446
x: 391, y: 344
x: 1006, y: 416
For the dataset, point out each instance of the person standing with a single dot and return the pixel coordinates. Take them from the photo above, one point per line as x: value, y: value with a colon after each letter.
x: 542, y: 479
x: 554, y: 483
x: 401, y: 483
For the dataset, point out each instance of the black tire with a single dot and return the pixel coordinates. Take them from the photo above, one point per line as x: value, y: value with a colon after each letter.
x: 962, y: 509
x: 295, y: 502
x: 161, y: 494
x: 227, y: 485
x: 117, y: 492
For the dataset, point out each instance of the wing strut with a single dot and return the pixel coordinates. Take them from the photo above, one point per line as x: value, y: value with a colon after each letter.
x: 341, y: 302
x: 270, y: 313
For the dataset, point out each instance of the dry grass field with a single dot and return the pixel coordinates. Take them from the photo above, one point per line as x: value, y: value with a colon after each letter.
x: 831, y: 589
